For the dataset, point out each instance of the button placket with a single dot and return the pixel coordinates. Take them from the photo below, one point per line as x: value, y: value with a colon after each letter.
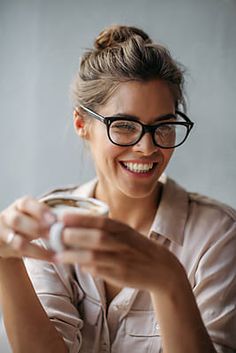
x: 104, y: 347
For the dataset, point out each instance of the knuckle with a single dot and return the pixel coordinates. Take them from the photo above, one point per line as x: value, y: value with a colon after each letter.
x: 19, y: 244
x: 101, y: 237
x: 15, y: 220
x: 102, y: 222
x: 93, y: 256
x: 23, y: 202
x: 36, y: 230
x: 67, y: 236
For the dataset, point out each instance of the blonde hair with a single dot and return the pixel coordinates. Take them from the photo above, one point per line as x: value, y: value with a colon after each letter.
x: 121, y: 54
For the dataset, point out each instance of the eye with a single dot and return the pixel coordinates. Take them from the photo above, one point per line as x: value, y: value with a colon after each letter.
x: 166, y: 129
x: 122, y: 126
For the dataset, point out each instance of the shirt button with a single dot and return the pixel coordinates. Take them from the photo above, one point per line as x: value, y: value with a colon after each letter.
x: 104, y: 347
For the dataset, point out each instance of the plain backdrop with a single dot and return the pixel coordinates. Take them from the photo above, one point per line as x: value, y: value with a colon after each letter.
x: 40, y: 46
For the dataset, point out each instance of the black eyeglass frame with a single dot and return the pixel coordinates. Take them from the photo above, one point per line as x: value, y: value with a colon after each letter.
x: 145, y: 128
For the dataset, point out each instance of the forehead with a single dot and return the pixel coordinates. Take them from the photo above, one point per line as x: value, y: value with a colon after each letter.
x: 142, y: 99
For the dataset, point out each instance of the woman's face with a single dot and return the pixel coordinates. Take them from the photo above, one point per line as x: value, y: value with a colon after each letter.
x: 147, y: 101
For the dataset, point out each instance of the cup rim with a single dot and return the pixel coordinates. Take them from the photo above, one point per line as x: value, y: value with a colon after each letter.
x: 82, y: 199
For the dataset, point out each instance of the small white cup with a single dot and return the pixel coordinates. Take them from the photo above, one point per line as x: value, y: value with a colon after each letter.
x: 61, y: 204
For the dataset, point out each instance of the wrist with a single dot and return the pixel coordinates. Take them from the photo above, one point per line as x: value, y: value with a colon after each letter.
x: 10, y: 259
x: 9, y: 262
x: 175, y: 280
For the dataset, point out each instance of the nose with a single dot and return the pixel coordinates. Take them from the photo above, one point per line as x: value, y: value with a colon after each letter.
x: 145, y: 145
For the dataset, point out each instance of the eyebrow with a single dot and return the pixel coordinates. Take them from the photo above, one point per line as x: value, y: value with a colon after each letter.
x: 163, y: 117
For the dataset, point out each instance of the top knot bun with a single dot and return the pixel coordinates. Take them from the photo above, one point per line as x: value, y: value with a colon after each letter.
x: 113, y: 35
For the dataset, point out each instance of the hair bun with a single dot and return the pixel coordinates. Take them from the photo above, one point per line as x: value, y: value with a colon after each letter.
x: 113, y: 35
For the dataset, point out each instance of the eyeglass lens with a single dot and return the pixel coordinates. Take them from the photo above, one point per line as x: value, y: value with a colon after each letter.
x: 125, y: 132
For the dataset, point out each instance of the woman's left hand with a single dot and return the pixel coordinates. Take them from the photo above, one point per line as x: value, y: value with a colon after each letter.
x: 114, y: 251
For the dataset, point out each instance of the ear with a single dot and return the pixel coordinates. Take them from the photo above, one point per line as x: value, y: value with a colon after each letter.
x: 80, y: 124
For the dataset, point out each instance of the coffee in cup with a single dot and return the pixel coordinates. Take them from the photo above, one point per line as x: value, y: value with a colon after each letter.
x: 61, y: 204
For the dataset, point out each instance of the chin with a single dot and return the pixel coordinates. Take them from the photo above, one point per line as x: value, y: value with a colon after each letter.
x: 138, y: 192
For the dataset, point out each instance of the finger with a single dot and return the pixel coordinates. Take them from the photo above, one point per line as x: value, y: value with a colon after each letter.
x: 20, y: 247
x: 84, y: 238
x: 23, y: 224
x: 113, y: 274
x: 38, y: 210
x: 99, y: 264
x: 85, y: 257
x: 91, y: 221
x: 106, y: 272
x: 4, y: 234
x: 123, y: 233
x: 38, y: 252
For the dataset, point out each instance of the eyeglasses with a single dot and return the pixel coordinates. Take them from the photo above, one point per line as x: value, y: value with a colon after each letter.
x: 170, y: 132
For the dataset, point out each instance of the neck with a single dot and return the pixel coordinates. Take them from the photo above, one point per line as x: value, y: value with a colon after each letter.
x: 136, y: 212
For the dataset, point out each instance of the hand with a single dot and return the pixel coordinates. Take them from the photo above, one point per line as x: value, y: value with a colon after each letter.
x: 26, y: 219
x: 116, y: 252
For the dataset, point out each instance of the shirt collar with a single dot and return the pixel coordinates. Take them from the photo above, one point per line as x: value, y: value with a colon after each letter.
x: 172, y: 213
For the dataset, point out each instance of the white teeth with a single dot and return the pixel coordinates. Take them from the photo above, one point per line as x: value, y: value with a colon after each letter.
x: 138, y: 167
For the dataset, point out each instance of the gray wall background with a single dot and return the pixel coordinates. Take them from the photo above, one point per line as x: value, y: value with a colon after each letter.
x: 40, y: 45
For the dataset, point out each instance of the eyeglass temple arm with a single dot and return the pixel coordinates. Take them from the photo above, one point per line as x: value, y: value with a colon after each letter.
x: 185, y: 117
x: 103, y: 120
x: 95, y: 115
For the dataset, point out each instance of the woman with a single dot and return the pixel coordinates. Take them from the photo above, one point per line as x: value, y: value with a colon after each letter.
x: 158, y: 274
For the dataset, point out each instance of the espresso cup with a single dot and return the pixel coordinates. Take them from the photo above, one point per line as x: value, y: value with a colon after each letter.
x: 62, y: 204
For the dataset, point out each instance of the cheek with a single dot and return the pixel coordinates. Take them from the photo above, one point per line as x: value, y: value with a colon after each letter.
x: 167, y: 154
x: 111, y: 153
x: 103, y: 151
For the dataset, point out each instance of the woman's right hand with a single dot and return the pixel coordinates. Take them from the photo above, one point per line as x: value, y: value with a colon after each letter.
x: 24, y: 220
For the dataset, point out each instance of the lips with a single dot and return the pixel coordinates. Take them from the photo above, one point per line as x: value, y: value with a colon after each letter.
x: 140, y: 169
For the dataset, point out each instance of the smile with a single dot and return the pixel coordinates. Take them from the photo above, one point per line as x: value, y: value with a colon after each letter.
x: 139, y: 168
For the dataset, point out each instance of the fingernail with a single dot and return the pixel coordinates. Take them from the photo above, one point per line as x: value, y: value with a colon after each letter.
x: 49, y: 218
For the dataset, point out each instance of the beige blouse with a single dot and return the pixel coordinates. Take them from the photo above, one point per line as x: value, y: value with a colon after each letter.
x: 199, y: 231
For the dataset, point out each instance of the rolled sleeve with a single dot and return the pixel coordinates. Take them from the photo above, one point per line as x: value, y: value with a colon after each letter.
x: 58, y: 294
x: 215, y: 290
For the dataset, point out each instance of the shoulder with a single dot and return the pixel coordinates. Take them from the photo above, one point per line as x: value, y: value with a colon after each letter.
x: 208, y: 205
x: 210, y: 220
x: 194, y: 203
x: 198, y: 218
